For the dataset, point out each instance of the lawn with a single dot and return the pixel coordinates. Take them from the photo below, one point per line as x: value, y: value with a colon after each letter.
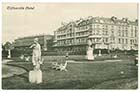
x: 109, y: 75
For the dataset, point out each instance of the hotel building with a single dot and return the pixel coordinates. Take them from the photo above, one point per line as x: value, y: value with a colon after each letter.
x: 103, y: 33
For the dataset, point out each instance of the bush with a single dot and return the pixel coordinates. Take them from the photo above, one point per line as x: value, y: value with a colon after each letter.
x: 4, y: 53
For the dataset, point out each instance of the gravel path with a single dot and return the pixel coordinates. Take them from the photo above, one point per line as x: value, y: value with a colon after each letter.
x: 73, y: 61
x: 8, y: 71
x: 105, y: 61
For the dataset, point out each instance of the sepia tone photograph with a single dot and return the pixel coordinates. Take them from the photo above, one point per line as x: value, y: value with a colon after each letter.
x: 69, y: 45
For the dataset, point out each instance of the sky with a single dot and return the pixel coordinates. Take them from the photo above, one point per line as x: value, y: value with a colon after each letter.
x: 45, y: 18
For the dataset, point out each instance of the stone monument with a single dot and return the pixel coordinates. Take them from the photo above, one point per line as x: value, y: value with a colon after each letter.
x: 90, y: 55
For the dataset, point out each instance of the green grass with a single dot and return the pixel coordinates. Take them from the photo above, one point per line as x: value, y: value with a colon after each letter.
x: 5, y: 70
x: 78, y: 58
x: 79, y: 76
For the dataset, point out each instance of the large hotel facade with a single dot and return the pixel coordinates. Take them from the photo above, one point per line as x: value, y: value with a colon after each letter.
x: 103, y: 33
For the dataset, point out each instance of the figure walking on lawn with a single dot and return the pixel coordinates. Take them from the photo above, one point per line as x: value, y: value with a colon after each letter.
x: 35, y: 76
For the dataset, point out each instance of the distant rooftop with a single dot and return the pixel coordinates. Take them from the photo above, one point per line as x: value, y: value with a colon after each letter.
x: 111, y: 19
x: 37, y: 35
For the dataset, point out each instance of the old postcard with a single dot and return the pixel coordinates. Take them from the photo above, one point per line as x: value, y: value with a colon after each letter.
x: 69, y: 45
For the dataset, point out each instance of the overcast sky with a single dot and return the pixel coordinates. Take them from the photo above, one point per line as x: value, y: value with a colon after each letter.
x: 47, y: 17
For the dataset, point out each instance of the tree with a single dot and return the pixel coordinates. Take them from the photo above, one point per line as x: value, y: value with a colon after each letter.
x: 8, y: 47
x: 3, y: 47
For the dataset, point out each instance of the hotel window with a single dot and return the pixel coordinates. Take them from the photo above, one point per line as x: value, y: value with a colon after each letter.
x: 135, y: 41
x: 103, y: 40
x: 103, y: 32
x: 106, y: 33
x: 112, y: 32
x: 131, y: 27
x: 106, y: 27
x: 131, y: 33
x: 83, y: 27
x: 70, y: 35
x: 98, y: 26
x: 112, y: 27
x: 130, y: 41
x: 122, y: 40
x: 103, y: 26
x: 122, y: 27
x: 77, y: 41
x: 123, y: 33
x: 93, y: 31
x: 79, y: 34
x: 126, y: 28
x: 82, y: 33
x: 86, y: 33
x: 119, y: 27
x: 135, y: 33
x: 90, y: 26
x: 94, y: 25
x: 119, y: 40
x: 119, y: 33
x: 97, y: 32
x: 80, y: 28
x: 126, y: 33
x: 106, y: 39
x: 70, y: 25
x: 76, y: 34
x: 86, y: 27
x: 113, y: 39
x: 82, y: 40
x: 135, y: 28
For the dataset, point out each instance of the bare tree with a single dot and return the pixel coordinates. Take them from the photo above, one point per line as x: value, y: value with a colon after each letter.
x: 8, y: 47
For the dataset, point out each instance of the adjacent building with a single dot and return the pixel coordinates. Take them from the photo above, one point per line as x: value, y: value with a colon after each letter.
x: 46, y: 42
x: 103, y: 33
